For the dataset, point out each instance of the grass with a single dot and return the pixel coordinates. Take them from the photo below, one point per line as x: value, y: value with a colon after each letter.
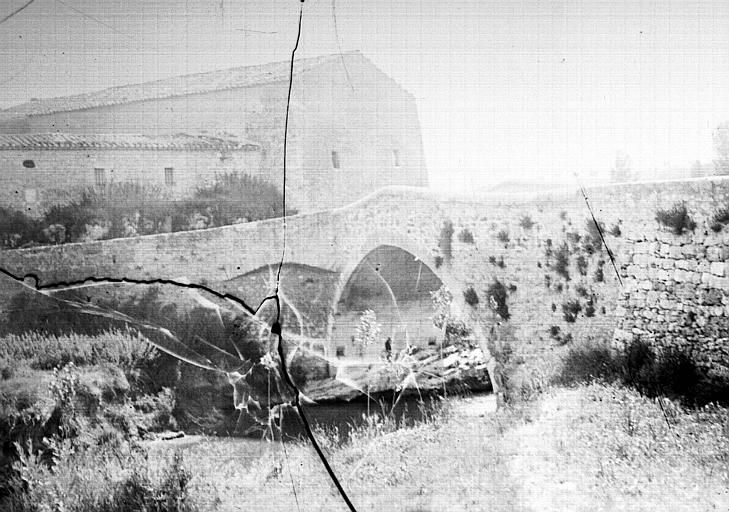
x: 593, y: 447
x: 45, y: 352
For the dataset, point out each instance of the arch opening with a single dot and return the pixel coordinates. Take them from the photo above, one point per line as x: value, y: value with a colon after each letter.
x: 396, y: 286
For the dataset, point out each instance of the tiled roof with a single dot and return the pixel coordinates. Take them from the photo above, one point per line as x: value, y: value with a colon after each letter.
x: 175, y: 86
x: 123, y: 141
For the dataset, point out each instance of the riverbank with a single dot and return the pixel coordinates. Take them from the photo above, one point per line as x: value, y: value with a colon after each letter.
x: 591, y: 447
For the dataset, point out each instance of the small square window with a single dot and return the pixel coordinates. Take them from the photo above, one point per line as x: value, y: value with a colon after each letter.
x: 169, y: 176
x: 396, y: 157
x: 336, y: 163
x: 99, y: 176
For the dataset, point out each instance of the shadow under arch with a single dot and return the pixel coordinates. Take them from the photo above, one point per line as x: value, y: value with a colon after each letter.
x: 358, y: 261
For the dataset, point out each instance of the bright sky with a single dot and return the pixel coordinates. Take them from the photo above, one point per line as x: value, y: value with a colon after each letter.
x: 508, y: 90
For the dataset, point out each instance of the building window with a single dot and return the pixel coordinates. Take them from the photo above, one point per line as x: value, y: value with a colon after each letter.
x: 396, y: 157
x: 99, y: 176
x: 28, y: 164
x: 169, y: 176
x: 336, y: 163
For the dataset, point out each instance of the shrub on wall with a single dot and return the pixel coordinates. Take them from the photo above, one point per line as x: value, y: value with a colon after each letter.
x: 562, y: 261
x: 526, y: 222
x: 615, y: 230
x: 503, y: 236
x: 498, y: 294
x: 599, y: 276
x: 581, y: 265
x: 677, y: 218
x: 470, y: 296
x: 445, y: 241
x: 593, y: 240
x: 570, y: 310
x: 720, y: 219
x: 465, y: 236
x: 17, y: 229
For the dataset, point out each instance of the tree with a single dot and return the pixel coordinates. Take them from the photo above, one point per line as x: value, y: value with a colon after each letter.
x: 622, y: 170
x: 721, y: 146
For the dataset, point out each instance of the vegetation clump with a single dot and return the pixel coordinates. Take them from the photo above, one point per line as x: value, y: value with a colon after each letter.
x: 581, y: 265
x: 570, y: 310
x: 498, y: 295
x: 720, y: 219
x: 470, y: 296
x: 445, y: 240
x: 526, y: 222
x: 465, y: 236
x: 503, y: 236
x: 562, y: 261
x: 677, y: 218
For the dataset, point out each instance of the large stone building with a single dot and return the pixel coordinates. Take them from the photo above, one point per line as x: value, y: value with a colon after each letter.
x: 352, y: 129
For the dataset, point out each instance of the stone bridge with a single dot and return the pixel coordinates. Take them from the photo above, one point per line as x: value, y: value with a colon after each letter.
x: 673, y: 289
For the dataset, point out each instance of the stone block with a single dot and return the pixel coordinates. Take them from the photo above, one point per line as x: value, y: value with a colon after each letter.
x: 718, y: 268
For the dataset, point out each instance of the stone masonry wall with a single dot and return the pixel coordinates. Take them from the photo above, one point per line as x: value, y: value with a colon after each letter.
x: 674, y: 292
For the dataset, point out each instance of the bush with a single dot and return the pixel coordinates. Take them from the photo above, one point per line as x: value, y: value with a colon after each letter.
x: 470, y: 296
x: 581, y: 265
x: 677, y: 218
x: 554, y: 331
x: 720, y: 219
x: 615, y: 230
x: 465, y: 236
x: 589, y: 309
x: 438, y: 261
x: 599, y: 276
x: 593, y: 241
x: 501, y: 263
x: 570, y: 310
x: 581, y: 290
x: 670, y: 373
x: 562, y: 261
x: 445, y: 241
x: 498, y: 294
x: 18, y: 230
x: 503, y: 236
x: 526, y: 222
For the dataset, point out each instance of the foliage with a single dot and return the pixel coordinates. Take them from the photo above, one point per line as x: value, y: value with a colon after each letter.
x: 615, y: 230
x: 593, y: 243
x: 554, y: 332
x: 454, y: 328
x: 599, y: 275
x: 562, y: 261
x: 44, y: 352
x: 720, y: 219
x: 677, y: 218
x: 438, y: 261
x: 498, y: 294
x: 129, y: 209
x: 526, y: 222
x: 17, y: 229
x: 108, y: 478
x: 570, y: 310
x: 368, y: 330
x: 470, y: 296
x: 671, y: 372
x: 503, y: 236
x: 445, y: 240
x: 581, y: 263
x: 236, y: 198
x: 590, y: 309
x: 465, y: 236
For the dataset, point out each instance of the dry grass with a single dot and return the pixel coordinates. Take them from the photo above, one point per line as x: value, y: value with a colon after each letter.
x: 594, y: 447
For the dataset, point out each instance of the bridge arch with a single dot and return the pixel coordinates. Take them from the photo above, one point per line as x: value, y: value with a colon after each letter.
x: 385, y: 243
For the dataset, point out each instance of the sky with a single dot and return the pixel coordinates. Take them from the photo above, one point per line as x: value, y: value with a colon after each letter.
x: 506, y: 91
